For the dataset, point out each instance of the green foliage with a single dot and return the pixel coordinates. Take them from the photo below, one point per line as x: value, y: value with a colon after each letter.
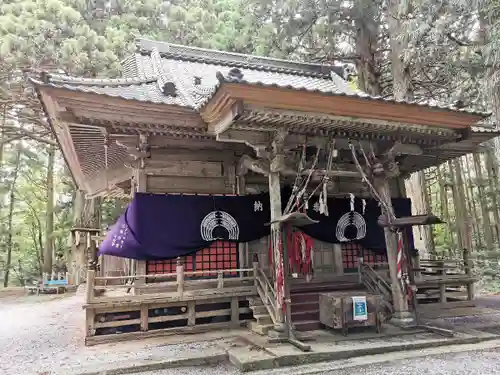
x: 450, y: 55
x: 30, y: 192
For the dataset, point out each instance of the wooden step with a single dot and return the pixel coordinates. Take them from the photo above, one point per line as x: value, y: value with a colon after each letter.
x: 304, y: 297
x: 304, y: 306
x: 308, y: 325
x: 325, y: 287
x: 309, y: 315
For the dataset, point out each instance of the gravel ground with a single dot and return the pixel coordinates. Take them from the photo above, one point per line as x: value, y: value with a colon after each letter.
x: 468, y: 363
x: 45, y: 334
x: 491, y: 302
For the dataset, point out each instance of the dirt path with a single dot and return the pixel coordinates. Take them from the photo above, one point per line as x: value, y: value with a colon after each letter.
x: 44, y: 335
x: 33, y: 330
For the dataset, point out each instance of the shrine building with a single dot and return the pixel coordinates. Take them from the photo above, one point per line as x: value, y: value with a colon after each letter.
x: 255, y: 186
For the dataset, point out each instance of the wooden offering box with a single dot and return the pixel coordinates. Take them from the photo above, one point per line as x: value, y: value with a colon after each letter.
x: 336, y: 310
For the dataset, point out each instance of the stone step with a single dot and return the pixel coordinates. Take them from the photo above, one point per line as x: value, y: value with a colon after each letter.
x: 260, y: 329
x: 259, y: 309
x: 263, y: 319
x: 303, y: 316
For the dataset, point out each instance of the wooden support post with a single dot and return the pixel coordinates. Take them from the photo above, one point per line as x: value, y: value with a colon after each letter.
x: 399, y: 299
x: 90, y: 286
x: 442, y: 287
x: 468, y: 272
x: 276, y: 212
x: 76, y: 277
x: 220, y: 280
x: 191, y: 313
x: 286, y: 285
x: 243, y: 260
x: 416, y: 265
x: 338, y: 261
x: 256, y: 273
x: 89, y: 321
x: 140, y: 178
x: 180, y: 277
x: 144, y: 317
x: 360, y: 266
x: 235, y: 310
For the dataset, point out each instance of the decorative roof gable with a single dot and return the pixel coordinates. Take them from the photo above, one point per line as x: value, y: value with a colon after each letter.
x: 165, y: 73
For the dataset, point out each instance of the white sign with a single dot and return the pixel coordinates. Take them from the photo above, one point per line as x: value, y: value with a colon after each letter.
x: 359, y: 308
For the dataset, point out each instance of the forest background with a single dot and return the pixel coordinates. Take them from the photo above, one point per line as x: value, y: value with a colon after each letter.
x: 445, y: 51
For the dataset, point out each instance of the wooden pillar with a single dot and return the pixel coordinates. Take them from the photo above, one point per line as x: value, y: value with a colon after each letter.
x: 278, y: 262
x: 399, y: 299
x: 89, y: 297
x: 276, y: 164
x: 468, y: 272
x: 242, y: 254
x: 338, y: 260
x: 180, y: 277
x: 141, y: 187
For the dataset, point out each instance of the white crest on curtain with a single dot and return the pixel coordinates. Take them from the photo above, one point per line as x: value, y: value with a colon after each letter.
x: 217, y: 219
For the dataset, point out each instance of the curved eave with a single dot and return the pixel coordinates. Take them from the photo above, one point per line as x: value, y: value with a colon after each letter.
x: 132, y: 91
x: 77, y: 178
x: 64, y: 107
x: 338, y: 104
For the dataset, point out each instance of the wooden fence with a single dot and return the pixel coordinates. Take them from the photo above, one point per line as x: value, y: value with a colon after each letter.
x: 445, y: 279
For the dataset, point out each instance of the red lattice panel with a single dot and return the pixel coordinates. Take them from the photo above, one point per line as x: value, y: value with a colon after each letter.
x: 350, y: 252
x: 221, y: 255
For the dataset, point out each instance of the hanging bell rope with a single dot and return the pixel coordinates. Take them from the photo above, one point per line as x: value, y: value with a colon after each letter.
x: 365, y: 179
x: 325, y: 177
x: 303, y: 186
x: 298, y: 178
x: 323, y: 196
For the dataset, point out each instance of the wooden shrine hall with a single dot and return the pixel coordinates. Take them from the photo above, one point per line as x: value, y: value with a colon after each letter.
x: 304, y: 174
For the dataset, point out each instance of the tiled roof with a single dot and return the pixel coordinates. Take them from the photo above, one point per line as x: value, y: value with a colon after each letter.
x: 145, y: 90
x: 167, y: 73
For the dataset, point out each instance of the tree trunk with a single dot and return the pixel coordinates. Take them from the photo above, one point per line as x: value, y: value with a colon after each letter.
x: 401, y: 79
x: 461, y: 217
x: 78, y: 244
x: 471, y: 204
x: 367, y: 36
x: 492, y: 169
x: 49, y: 225
x: 402, y: 90
x: 4, y: 120
x: 445, y: 210
x: 12, y: 197
x: 483, y: 202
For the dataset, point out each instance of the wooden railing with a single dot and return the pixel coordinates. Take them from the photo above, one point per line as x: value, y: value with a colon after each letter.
x: 266, y: 291
x: 177, y: 305
x: 439, y: 274
x: 178, y: 286
x: 376, y: 284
